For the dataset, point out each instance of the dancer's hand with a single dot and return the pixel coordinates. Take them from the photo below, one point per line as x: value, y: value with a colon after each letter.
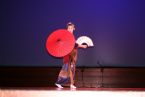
x: 83, y: 46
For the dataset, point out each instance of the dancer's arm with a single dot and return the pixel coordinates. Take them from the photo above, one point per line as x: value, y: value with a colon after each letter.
x: 81, y: 45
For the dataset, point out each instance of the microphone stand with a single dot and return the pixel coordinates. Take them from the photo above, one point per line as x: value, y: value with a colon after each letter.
x: 102, y: 76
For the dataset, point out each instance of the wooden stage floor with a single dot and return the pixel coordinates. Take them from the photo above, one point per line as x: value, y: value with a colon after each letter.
x: 67, y: 92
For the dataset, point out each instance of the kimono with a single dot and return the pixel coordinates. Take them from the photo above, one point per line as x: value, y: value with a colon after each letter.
x: 67, y: 73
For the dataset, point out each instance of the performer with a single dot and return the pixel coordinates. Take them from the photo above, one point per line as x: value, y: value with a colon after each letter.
x: 67, y: 73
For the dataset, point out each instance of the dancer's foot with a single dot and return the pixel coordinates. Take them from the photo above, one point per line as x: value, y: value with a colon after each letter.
x: 73, y: 87
x: 58, y: 85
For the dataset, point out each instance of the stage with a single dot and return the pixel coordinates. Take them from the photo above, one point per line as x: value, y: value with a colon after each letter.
x: 67, y: 92
x: 39, y: 82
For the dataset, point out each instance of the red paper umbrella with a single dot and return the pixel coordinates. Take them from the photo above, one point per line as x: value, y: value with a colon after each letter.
x: 60, y: 43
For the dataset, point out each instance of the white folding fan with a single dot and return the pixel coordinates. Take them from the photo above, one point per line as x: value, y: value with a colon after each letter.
x: 85, y: 39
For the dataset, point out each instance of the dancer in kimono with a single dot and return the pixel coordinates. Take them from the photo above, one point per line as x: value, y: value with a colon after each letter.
x: 67, y: 73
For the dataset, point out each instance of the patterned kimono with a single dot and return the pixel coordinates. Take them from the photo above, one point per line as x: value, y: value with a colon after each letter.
x: 67, y: 73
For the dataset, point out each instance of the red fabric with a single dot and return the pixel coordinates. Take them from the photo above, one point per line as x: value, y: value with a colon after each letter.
x: 71, y: 57
x: 66, y: 59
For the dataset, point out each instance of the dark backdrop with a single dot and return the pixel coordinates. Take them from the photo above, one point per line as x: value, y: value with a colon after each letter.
x: 117, y: 28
